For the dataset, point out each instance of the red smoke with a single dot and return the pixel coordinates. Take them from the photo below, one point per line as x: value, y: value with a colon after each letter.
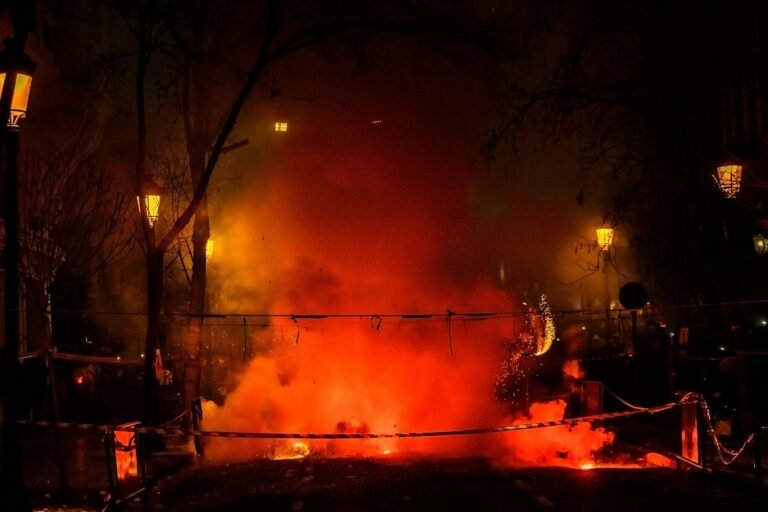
x: 376, y: 225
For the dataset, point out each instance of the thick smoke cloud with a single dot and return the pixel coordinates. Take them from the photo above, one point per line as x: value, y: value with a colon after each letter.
x: 397, y: 217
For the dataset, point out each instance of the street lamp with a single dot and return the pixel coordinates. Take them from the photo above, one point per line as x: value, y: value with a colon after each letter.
x: 761, y: 244
x: 209, y: 249
x: 19, y: 64
x: 604, y: 238
x: 150, y: 192
x: 604, y: 242
x: 728, y: 179
x: 16, y: 70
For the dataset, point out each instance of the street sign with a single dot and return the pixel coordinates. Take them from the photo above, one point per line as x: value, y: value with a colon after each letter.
x: 633, y: 295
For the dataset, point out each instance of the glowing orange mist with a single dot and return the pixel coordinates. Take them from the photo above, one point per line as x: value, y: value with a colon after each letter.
x: 383, y: 388
x: 366, y: 234
x: 569, y: 446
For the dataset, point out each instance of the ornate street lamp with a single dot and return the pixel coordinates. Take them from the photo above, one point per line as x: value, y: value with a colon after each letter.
x: 150, y: 193
x: 23, y: 67
x: 209, y: 249
x: 728, y: 179
x: 604, y: 238
x: 761, y: 244
x: 16, y: 70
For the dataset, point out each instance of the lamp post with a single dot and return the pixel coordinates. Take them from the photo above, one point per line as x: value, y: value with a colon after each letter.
x: 760, y: 242
x: 728, y: 179
x: 16, y: 70
x: 604, y: 242
x: 148, y: 201
x: 604, y: 238
x: 150, y: 194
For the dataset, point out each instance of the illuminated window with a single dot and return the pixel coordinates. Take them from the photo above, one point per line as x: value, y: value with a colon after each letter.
x: 281, y: 126
x: 376, y: 122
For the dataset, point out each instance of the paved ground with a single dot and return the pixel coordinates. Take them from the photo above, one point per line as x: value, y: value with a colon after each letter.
x: 385, y: 484
x: 429, y: 484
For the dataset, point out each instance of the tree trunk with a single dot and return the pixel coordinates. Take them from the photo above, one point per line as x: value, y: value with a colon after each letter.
x: 193, y: 342
x: 154, y: 310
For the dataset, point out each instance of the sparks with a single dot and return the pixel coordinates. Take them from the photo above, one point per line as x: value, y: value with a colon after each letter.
x: 544, y: 342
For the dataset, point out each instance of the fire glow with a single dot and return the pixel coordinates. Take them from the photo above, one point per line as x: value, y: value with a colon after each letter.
x: 328, y: 238
x: 291, y: 451
x: 393, y: 398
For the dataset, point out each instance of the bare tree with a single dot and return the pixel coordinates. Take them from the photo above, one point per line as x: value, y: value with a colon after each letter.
x: 73, y: 222
x: 644, y: 93
x: 197, y: 43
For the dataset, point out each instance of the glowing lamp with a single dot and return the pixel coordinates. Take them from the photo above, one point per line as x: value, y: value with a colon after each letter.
x: 761, y: 244
x: 281, y: 126
x: 150, y: 194
x: 728, y: 179
x: 604, y: 238
x: 209, y: 249
x: 19, y: 64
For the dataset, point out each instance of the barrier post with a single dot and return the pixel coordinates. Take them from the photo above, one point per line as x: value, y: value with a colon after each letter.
x: 196, y: 410
x: 125, y: 466
x: 692, y: 435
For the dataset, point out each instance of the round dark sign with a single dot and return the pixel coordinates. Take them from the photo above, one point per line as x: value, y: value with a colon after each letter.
x: 633, y: 295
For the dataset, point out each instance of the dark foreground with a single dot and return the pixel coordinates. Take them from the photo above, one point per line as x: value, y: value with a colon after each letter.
x: 353, y: 484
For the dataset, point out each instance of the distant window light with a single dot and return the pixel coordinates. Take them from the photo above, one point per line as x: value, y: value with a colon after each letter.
x: 376, y: 122
x: 281, y: 126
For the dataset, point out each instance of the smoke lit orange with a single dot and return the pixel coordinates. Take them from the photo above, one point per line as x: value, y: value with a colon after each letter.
x: 379, y: 234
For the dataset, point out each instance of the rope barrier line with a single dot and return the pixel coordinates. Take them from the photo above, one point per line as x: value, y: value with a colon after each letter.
x: 621, y: 400
x: 286, y: 435
x: 730, y: 455
x: 425, y: 315
x: 97, y: 359
x: 127, y: 361
x: 83, y: 358
x: 176, y: 418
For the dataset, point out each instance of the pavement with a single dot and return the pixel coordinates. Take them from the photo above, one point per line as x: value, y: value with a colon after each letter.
x: 411, y: 484
x: 78, y: 480
x: 398, y: 483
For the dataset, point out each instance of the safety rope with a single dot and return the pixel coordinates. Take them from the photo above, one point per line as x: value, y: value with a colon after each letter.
x: 730, y: 455
x: 337, y: 435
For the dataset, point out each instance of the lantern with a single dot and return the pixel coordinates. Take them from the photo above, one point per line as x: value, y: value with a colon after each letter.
x: 604, y: 238
x: 209, y: 249
x: 728, y: 179
x: 23, y: 67
x: 150, y: 192
x: 761, y: 244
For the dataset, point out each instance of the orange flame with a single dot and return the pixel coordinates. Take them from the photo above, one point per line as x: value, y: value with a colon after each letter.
x: 291, y: 451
